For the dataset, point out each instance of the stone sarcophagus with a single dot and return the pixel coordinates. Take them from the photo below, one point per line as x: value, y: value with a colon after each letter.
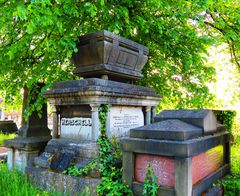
x: 185, y: 157
x: 105, y: 53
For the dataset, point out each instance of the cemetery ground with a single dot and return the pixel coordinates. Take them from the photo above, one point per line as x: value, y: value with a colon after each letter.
x: 15, y: 183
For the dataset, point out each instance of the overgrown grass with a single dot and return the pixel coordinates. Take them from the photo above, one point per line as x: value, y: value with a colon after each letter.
x: 15, y: 183
x: 5, y: 137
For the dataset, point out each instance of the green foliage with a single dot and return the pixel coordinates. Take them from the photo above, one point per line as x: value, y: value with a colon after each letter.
x: 5, y: 137
x: 231, y: 186
x: 235, y: 159
x: 15, y: 183
x: 75, y: 171
x: 38, y: 38
x: 226, y: 118
x: 150, y: 187
x: 111, y: 183
x: 222, y: 18
x: 231, y: 183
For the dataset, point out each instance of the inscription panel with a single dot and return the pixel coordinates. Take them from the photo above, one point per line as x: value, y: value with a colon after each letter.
x: 122, y: 119
x: 206, y: 163
x: 76, y: 128
x: 163, y: 167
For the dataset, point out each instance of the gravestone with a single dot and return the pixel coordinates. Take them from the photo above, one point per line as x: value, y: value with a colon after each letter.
x: 32, y: 136
x: 109, y: 65
x: 185, y: 157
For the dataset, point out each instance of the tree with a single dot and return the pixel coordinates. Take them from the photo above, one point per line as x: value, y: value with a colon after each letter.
x: 38, y: 38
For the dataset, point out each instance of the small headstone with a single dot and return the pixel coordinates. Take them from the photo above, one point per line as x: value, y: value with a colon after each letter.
x: 61, y: 161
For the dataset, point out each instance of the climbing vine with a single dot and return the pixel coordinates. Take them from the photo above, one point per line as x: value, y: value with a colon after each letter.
x: 111, y: 183
x: 107, y: 162
x: 150, y: 182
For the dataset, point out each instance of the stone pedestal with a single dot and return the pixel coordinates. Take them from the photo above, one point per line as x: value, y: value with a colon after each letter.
x: 76, y: 109
x: 22, y: 151
x: 186, y: 158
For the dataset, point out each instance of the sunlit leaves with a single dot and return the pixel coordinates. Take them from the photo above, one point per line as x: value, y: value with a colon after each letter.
x: 38, y: 38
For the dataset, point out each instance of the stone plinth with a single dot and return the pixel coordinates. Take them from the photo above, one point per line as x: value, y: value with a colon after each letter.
x: 22, y: 151
x: 67, y: 185
x: 76, y: 106
x: 185, y: 160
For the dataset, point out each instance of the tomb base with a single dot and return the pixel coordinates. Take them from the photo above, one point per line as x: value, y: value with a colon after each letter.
x: 58, y: 182
x: 186, y: 158
x: 22, y: 151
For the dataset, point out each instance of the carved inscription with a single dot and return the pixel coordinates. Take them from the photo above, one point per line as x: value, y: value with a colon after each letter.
x: 163, y: 167
x: 122, y: 119
x: 76, y: 128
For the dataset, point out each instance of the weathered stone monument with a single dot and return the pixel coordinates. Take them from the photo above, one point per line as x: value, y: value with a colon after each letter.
x: 109, y: 64
x: 187, y: 149
x: 32, y: 137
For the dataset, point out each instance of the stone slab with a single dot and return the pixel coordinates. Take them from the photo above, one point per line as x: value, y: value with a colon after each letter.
x: 43, y: 160
x: 27, y: 143
x: 61, y: 160
x: 206, y: 163
x: 205, y: 119
x: 207, y: 182
x: 89, y: 85
x: 80, y: 148
x: 76, y: 127
x: 163, y: 167
x: 58, y: 182
x: 122, y: 119
x: 217, y: 190
x: 168, y: 129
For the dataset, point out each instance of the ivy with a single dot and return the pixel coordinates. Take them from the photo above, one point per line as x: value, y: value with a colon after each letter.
x: 111, y: 183
x: 150, y: 182
x: 75, y: 171
x: 226, y: 118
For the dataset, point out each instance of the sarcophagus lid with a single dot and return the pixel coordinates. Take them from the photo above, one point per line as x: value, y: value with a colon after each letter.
x: 206, y: 119
x: 105, y: 53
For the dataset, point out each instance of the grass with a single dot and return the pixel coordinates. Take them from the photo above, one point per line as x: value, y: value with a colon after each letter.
x: 231, y: 183
x: 15, y: 183
x: 5, y: 137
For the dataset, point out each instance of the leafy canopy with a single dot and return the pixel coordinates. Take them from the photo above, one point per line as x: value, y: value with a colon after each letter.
x: 38, y: 38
